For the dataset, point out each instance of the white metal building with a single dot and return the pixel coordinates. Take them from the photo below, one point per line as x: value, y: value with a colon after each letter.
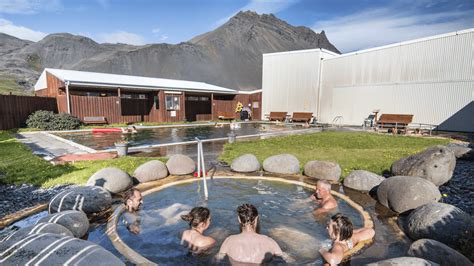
x: 431, y: 78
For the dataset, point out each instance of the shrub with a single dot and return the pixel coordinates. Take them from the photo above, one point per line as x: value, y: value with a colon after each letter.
x: 47, y: 120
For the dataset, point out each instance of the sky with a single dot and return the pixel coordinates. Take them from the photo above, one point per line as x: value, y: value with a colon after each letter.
x: 349, y: 24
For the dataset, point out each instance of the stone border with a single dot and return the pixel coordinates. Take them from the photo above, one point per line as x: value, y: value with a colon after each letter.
x: 138, y: 259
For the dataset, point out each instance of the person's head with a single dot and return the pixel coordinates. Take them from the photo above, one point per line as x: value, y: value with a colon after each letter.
x: 323, y: 188
x: 132, y: 199
x: 198, y: 217
x: 247, y: 214
x: 340, y: 227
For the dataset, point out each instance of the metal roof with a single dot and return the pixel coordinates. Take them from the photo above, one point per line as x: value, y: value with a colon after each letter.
x: 83, y: 78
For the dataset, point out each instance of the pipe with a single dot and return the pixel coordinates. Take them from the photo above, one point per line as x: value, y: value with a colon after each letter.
x: 68, y: 101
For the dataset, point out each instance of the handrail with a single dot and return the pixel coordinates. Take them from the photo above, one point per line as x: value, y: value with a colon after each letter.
x: 200, y: 159
x: 338, y: 121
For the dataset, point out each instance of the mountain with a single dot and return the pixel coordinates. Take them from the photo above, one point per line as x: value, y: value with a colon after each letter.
x: 229, y: 56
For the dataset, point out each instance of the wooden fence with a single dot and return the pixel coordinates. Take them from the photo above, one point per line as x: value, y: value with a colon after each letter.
x: 14, y: 110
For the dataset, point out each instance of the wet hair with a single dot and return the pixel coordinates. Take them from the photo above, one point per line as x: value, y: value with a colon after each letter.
x: 325, y: 184
x: 129, y: 194
x: 342, y: 226
x: 247, y: 213
x: 196, y: 216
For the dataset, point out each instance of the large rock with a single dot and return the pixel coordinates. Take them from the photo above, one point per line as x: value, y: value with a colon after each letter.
x: 362, y: 180
x: 112, y: 179
x: 435, y: 164
x: 150, y: 171
x: 53, y: 249
x: 442, y: 222
x: 438, y: 252
x: 40, y: 228
x: 89, y: 199
x: 245, y: 163
x: 282, y: 164
x: 74, y: 221
x: 403, y: 193
x: 323, y: 170
x: 179, y: 164
x: 403, y: 261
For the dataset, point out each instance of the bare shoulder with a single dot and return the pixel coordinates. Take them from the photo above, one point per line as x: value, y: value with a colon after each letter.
x: 362, y: 234
x: 205, y: 241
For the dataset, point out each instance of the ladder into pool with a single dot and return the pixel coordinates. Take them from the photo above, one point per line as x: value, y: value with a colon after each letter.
x: 200, y: 161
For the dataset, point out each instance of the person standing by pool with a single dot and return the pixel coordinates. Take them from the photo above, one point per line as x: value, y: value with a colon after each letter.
x: 249, y: 246
x: 133, y: 201
x: 344, y: 238
x: 199, y: 220
x: 323, y: 197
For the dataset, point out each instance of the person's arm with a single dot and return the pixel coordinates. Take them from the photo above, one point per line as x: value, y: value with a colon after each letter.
x: 334, y: 256
x: 362, y: 234
x: 223, y: 250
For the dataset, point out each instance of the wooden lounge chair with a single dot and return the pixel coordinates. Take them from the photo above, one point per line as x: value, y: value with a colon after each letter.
x: 277, y: 116
x: 395, y: 122
x: 302, y: 117
x: 94, y: 120
x: 225, y: 115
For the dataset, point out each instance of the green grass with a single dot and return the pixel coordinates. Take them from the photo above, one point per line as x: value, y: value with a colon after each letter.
x: 18, y: 165
x: 9, y: 85
x: 352, y: 151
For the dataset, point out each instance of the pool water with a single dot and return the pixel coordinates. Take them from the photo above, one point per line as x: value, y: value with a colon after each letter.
x: 164, y: 135
x: 285, y: 215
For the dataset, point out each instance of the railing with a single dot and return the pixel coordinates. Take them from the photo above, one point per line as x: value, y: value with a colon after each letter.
x: 338, y: 121
x: 200, y: 159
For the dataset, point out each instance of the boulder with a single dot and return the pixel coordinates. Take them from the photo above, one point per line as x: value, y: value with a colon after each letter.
x: 53, y: 249
x: 40, y: 228
x: 245, y: 163
x: 282, y: 164
x: 442, y: 222
x: 323, y: 170
x: 362, y: 180
x: 437, y: 252
x: 74, y: 221
x: 435, y: 164
x: 149, y: 171
x: 403, y: 261
x: 89, y: 199
x: 461, y: 151
x: 112, y: 179
x: 404, y: 193
x: 179, y: 164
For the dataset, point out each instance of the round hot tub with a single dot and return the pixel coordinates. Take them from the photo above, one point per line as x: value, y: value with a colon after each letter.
x: 285, y: 213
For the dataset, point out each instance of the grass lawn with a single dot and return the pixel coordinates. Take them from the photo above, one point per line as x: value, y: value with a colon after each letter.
x: 8, y: 85
x: 18, y: 165
x: 353, y: 151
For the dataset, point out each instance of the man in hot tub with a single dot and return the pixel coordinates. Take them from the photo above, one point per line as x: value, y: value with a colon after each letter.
x: 323, y: 197
x: 133, y: 201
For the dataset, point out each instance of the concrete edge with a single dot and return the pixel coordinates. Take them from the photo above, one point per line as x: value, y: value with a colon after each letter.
x: 138, y: 259
x: 72, y: 143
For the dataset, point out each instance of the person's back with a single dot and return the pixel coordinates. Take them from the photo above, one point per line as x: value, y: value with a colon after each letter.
x: 249, y: 246
x: 199, y: 220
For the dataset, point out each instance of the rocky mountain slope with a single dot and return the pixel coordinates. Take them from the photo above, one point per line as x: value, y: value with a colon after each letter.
x: 229, y: 56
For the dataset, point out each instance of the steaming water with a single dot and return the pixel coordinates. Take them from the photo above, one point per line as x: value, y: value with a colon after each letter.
x: 285, y: 216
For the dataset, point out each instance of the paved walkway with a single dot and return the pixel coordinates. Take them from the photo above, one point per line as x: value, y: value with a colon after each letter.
x: 49, y: 147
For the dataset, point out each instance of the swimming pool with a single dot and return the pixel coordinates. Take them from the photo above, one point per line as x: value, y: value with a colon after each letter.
x: 175, y: 134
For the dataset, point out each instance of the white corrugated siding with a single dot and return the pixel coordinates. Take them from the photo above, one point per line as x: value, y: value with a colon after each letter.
x: 432, y: 79
x: 290, y: 81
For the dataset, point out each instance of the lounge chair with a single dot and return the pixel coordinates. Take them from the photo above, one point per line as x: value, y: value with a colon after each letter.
x: 225, y: 115
x: 395, y: 122
x: 278, y: 116
x: 302, y: 117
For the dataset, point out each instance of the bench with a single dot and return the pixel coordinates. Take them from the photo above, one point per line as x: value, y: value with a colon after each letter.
x: 277, y: 116
x: 302, y: 117
x: 395, y: 122
x: 94, y: 120
x: 225, y: 115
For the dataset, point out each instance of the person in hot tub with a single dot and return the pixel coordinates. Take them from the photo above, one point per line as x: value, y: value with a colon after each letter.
x: 323, y: 197
x: 133, y: 201
x: 199, y: 219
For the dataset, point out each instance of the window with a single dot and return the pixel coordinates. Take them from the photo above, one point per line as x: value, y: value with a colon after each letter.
x: 255, y: 104
x: 157, y: 102
x: 192, y: 98
x: 141, y: 96
x: 126, y: 96
x: 92, y: 93
x: 172, y: 102
x: 204, y: 99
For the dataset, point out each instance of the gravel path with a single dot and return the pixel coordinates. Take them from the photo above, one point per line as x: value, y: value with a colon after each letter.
x: 460, y: 189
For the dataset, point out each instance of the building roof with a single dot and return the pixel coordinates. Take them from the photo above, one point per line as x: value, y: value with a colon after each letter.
x: 97, y: 80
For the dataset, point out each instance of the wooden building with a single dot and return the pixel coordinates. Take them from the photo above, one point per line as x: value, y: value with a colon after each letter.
x: 127, y: 99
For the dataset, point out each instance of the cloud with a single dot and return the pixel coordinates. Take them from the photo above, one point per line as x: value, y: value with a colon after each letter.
x: 376, y: 27
x: 21, y: 32
x: 261, y: 7
x: 29, y: 6
x: 163, y: 37
x: 156, y: 30
x: 121, y: 37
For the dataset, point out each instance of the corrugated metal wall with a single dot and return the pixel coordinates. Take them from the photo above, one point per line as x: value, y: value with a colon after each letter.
x: 431, y: 78
x: 290, y: 81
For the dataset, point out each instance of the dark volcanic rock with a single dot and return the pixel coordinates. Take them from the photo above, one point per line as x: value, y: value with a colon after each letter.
x: 403, y: 261
x: 444, y: 223
x: 52, y: 249
x: 76, y: 221
x: 40, y: 228
x: 89, y: 199
x: 435, y: 164
x: 437, y: 252
x: 404, y: 193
